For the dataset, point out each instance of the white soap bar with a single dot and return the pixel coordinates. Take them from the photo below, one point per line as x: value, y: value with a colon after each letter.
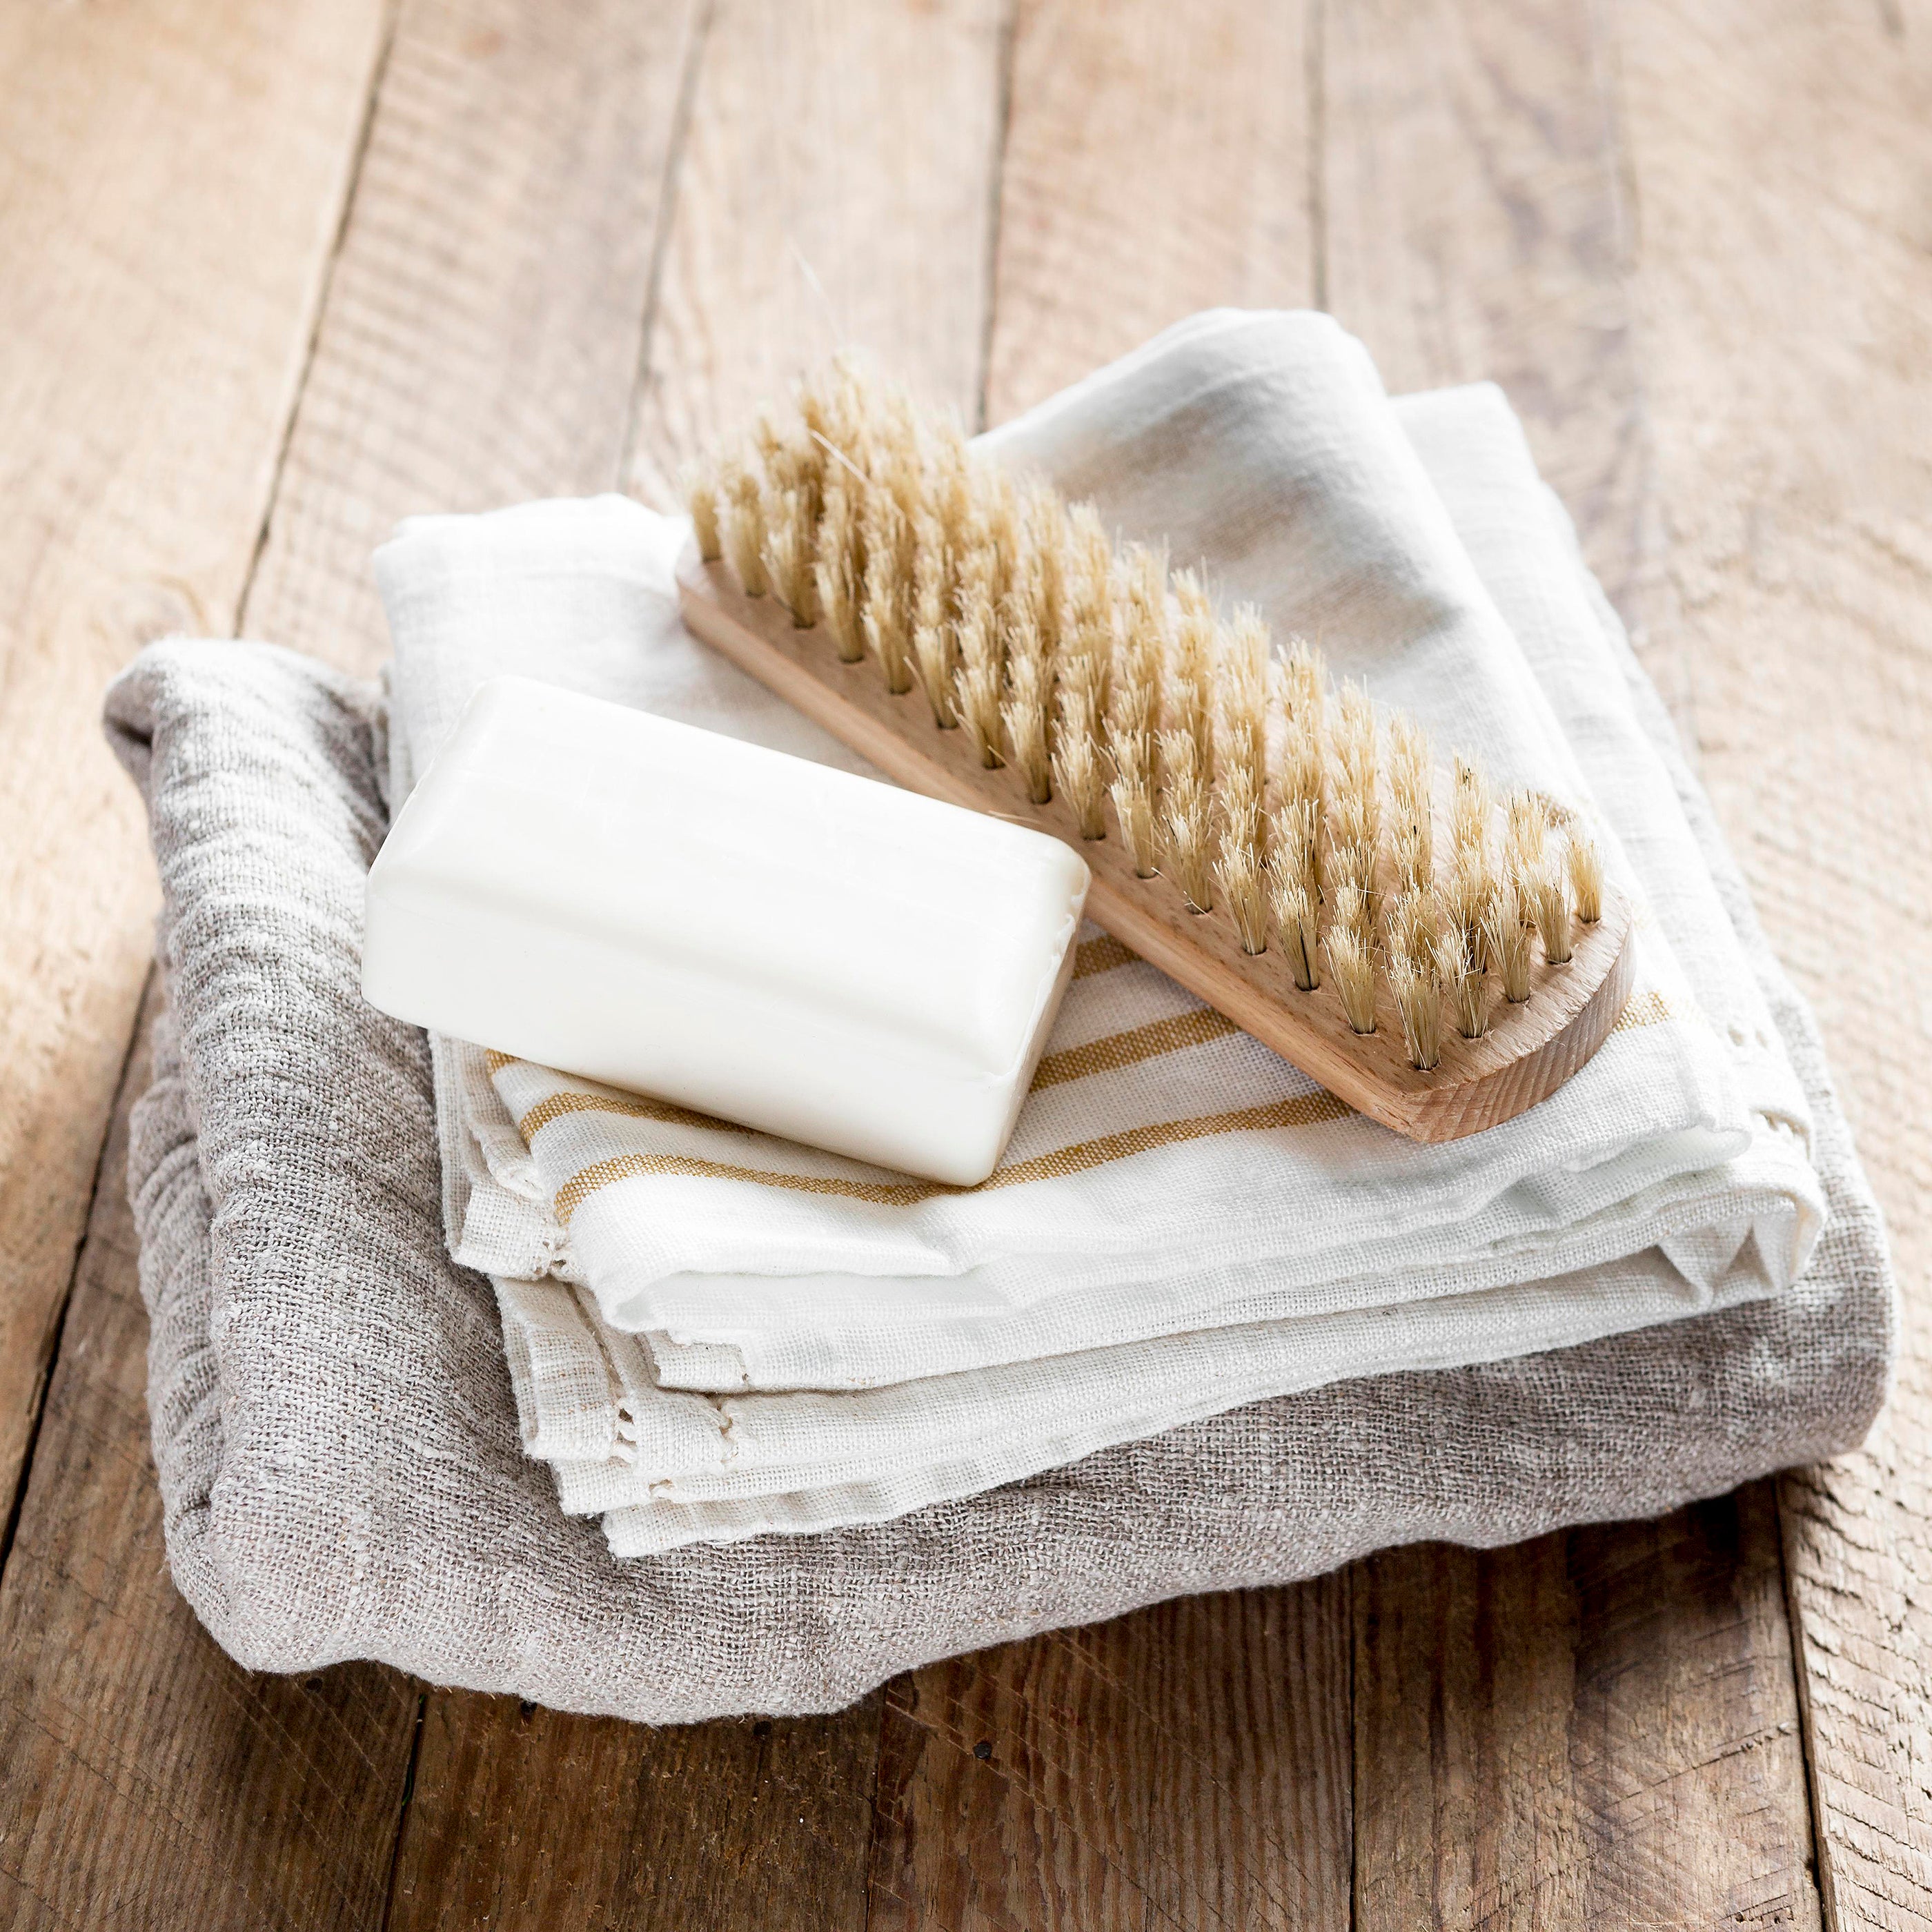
x: 749, y: 935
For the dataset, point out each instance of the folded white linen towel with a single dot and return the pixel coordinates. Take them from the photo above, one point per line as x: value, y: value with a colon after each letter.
x: 1276, y: 1242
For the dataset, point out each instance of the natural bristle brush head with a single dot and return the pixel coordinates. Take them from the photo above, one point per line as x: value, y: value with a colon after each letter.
x: 1283, y: 845
x: 1506, y: 941
x: 1352, y: 964
x: 1460, y: 962
x: 1586, y: 876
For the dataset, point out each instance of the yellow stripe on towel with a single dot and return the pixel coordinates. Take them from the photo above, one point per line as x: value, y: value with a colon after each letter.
x: 1099, y: 1056
x: 1307, y: 1110
x: 1642, y: 1009
x: 633, y: 1106
x: 1124, y: 1049
x: 1101, y: 955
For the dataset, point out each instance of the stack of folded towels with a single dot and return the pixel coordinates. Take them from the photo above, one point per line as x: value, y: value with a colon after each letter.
x: 1205, y: 1327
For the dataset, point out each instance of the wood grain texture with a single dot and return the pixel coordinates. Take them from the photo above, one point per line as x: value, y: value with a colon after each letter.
x: 481, y: 344
x: 835, y: 191
x: 1528, y: 1051
x: 170, y: 183
x: 1781, y: 167
x: 1596, y: 1729
x: 1473, y: 219
x: 862, y: 134
x: 1186, y: 1766
x: 1723, y: 374
x: 485, y: 316
x: 150, y: 1780
x: 1476, y: 225
x: 1157, y: 162
x: 524, y: 1817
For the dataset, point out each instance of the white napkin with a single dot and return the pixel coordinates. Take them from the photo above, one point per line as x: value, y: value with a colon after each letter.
x: 1669, y: 1177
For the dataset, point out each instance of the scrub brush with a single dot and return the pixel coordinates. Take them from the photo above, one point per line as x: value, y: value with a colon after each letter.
x: 1439, y: 956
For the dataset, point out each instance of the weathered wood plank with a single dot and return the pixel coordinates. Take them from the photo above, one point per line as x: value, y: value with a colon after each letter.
x: 480, y: 345
x: 1474, y: 226
x: 1599, y: 1728
x: 1186, y: 1766
x: 1157, y: 162
x: 170, y: 184
x: 523, y: 1817
x: 835, y: 191
x: 855, y: 142
x: 150, y: 1781
x: 484, y: 318
x: 1778, y: 154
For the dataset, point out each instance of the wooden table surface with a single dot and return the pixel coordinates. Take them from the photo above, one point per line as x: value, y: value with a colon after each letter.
x: 274, y: 272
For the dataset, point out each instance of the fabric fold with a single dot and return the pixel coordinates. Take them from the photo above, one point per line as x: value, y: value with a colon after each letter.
x: 1184, y: 1222
x: 935, y: 1436
x: 1182, y: 1178
x: 336, y: 1436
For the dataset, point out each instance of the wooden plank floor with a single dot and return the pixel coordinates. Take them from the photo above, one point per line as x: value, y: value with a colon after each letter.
x: 277, y: 274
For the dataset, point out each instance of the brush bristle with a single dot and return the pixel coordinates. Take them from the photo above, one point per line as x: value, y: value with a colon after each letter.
x: 1244, y: 892
x: 791, y: 564
x: 1354, y: 733
x: 1132, y: 792
x: 1418, y: 999
x: 932, y: 632
x: 1464, y: 894
x: 1191, y: 679
x: 1586, y: 876
x: 836, y: 569
x: 1472, y: 807
x: 1351, y: 966
x: 1303, y: 759
x: 1526, y: 832
x: 976, y: 684
x: 1304, y: 684
x: 1355, y: 815
x: 1239, y: 870
x: 701, y: 500
x: 742, y: 528
x: 1546, y: 894
x: 1294, y: 842
x: 1185, y: 836
x: 1076, y: 772
x: 1506, y: 940
x: 1023, y: 712
x: 1411, y: 797
x: 1255, y: 787
x: 1240, y: 697
x: 1460, y: 964
x: 1349, y: 865
x: 1413, y: 923
x: 882, y: 608
x: 1292, y: 907
x: 1353, y: 912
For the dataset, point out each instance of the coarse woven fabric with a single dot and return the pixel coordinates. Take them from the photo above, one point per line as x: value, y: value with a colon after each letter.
x: 335, y: 1429
x: 958, y: 1397
x: 676, y: 1467
x: 1168, y: 1176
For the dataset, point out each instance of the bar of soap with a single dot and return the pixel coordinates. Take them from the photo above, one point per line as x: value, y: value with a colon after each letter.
x: 747, y: 934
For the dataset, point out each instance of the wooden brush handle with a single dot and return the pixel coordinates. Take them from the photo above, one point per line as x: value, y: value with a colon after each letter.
x: 1528, y: 1051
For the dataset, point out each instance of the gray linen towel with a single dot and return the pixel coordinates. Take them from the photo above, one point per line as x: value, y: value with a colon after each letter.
x: 333, y: 1426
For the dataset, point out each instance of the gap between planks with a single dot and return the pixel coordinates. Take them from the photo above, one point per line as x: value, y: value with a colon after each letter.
x: 1042, y: 23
